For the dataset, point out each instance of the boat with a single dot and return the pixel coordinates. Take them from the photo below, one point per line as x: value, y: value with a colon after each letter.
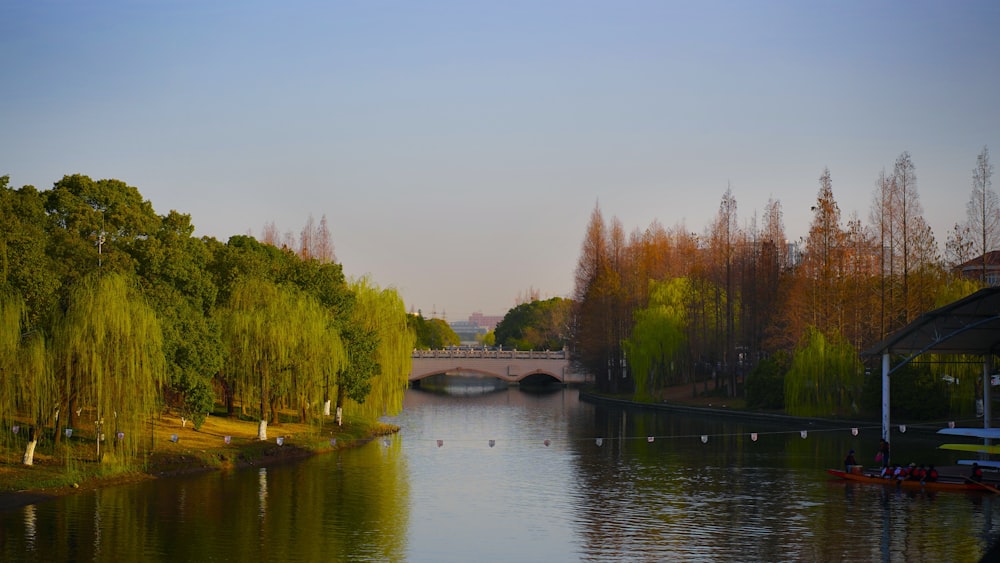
x: 950, y: 485
x: 986, y: 434
x: 992, y: 449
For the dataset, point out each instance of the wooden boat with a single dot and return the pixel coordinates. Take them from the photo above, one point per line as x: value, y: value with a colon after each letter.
x: 951, y: 485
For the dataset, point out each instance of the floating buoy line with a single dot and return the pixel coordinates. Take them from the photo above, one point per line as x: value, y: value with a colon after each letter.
x: 704, y: 438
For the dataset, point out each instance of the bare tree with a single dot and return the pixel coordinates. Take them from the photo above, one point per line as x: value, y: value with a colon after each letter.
x: 315, y: 241
x: 959, y: 246
x: 983, y: 210
x: 722, y: 236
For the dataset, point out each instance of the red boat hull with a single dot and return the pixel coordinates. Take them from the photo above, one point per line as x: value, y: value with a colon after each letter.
x: 906, y: 484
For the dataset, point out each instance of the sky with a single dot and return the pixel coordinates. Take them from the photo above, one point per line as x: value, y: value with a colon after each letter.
x: 457, y: 149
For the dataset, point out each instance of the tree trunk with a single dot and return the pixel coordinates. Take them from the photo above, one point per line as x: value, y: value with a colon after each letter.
x: 340, y: 405
x: 29, y: 450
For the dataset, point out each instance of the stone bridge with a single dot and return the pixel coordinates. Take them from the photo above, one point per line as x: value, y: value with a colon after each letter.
x: 512, y: 366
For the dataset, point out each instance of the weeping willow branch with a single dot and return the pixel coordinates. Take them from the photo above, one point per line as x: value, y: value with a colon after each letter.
x: 108, y: 352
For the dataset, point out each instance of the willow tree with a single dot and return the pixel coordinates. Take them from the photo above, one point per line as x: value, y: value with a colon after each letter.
x: 12, y: 312
x: 36, y: 393
x: 825, y: 377
x: 381, y: 315
x: 108, y: 356
x: 657, y: 346
x: 318, y: 356
x: 261, y: 337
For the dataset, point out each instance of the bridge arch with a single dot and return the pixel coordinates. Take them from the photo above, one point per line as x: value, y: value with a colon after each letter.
x: 512, y: 366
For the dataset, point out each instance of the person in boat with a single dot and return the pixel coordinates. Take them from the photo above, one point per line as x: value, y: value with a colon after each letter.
x: 977, y: 472
x: 849, y: 461
x: 899, y: 473
x: 932, y: 474
x: 916, y: 472
x: 883, y: 453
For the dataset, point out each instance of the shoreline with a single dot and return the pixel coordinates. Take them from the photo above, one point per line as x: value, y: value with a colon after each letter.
x: 195, y: 452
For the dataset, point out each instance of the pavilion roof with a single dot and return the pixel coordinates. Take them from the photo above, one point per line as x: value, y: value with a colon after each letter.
x: 968, y: 326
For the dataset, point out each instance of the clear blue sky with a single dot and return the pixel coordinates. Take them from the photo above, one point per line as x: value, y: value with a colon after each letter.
x: 458, y: 148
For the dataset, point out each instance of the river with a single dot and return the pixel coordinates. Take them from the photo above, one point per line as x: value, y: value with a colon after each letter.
x: 516, y: 476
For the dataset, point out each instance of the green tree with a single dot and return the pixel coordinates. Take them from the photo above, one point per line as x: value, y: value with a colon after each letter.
x: 174, y: 270
x: 825, y: 377
x: 24, y: 260
x: 93, y: 224
x: 379, y: 353
x: 536, y: 325
x: 766, y: 382
x: 657, y: 347
x: 432, y: 334
x: 275, y: 338
x: 108, y: 351
x: 27, y: 387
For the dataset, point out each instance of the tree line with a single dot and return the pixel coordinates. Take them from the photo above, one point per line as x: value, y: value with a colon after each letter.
x: 741, y: 311
x: 110, y: 312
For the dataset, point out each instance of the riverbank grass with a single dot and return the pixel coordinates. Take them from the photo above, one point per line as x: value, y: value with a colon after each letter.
x: 174, y: 447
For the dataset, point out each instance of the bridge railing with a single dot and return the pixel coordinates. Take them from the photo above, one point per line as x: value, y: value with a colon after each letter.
x: 487, y: 354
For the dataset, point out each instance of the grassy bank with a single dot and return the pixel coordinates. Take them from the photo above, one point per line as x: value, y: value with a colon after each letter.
x: 177, y: 448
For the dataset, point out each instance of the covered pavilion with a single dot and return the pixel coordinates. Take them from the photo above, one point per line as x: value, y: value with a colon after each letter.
x: 969, y: 326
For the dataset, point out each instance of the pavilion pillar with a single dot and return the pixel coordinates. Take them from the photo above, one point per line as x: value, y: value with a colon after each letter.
x: 987, y: 389
x: 885, y: 396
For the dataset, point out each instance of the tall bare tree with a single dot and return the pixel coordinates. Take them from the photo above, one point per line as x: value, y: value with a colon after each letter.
x: 983, y: 210
x: 315, y: 241
x: 823, y: 262
x: 723, y: 236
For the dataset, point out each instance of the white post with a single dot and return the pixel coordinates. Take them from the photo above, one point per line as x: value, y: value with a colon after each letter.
x: 262, y: 430
x: 987, y: 392
x: 885, y: 396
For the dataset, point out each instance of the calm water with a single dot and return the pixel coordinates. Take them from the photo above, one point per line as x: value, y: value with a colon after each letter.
x: 543, y: 490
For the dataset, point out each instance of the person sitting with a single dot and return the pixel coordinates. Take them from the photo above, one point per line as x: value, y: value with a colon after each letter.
x: 917, y: 472
x: 932, y: 474
x: 899, y: 473
x: 849, y: 462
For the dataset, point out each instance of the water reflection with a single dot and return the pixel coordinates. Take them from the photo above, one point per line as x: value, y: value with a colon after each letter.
x: 600, y: 491
x: 262, y: 492
x: 30, y: 527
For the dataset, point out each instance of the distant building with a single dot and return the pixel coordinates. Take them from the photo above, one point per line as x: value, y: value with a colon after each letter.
x: 488, y: 322
x: 478, y: 325
x: 467, y: 331
x: 973, y: 269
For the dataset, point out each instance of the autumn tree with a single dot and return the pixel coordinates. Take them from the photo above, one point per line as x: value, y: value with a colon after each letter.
x: 983, y: 211
x: 913, y: 254
x: 315, y: 241
x: 723, y: 240
x: 595, y: 293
